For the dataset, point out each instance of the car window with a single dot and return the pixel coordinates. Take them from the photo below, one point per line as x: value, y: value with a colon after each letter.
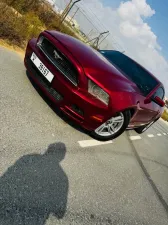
x: 133, y: 71
x: 160, y: 93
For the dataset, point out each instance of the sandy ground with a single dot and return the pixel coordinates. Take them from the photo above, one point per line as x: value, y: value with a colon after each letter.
x: 14, y: 48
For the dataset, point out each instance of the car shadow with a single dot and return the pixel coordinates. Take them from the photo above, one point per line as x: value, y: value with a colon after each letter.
x: 34, y: 187
x: 56, y: 110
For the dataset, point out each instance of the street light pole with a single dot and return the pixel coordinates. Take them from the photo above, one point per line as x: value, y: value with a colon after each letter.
x: 65, y: 15
x: 66, y: 9
x: 74, y: 14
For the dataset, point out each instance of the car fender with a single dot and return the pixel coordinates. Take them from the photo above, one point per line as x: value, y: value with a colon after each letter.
x: 121, y: 101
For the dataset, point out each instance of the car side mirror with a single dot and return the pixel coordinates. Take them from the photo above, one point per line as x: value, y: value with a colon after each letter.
x: 159, y: 101
x: 148, y: 100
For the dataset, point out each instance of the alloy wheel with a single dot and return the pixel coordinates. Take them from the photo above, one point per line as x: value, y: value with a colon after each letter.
x: 111, y: 127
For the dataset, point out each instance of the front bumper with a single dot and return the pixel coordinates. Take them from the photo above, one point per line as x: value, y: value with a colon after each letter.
x: 73, y: 101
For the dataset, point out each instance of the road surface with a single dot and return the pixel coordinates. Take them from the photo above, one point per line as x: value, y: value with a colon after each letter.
x: 124, y: 182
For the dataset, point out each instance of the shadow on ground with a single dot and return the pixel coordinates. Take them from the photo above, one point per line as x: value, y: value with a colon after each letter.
x: 33, y: 188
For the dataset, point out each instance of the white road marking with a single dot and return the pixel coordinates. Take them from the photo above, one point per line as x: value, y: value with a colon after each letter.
x: 90, y: 143
x: 133, y: 138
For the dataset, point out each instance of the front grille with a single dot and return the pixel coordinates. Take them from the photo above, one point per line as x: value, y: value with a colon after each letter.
x: 61, y: 62
x: 43, y: 81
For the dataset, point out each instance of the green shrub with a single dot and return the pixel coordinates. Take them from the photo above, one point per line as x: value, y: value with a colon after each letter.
x: 34, y: 25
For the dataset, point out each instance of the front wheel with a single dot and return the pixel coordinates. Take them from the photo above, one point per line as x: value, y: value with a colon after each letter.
x: 112, y: 128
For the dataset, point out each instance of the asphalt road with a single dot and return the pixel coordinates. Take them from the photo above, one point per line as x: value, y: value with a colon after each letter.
x: 124, y: 182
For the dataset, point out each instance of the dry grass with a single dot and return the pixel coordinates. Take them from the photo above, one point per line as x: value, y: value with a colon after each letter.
x: 7, y: 44
x: 19, y: 21
x: 16, y: 28
x: 165, y: 115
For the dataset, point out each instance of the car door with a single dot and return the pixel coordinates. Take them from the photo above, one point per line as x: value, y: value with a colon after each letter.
x: 147, y: 112
x: 144, y: 113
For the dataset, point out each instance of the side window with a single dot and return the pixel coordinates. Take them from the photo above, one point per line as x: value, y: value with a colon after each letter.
x: 159, y: 93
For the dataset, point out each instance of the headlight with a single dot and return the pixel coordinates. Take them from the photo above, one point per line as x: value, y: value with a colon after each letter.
x: 98, y: 92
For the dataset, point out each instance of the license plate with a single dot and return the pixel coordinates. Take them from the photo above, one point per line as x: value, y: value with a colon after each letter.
x: 42, y: 68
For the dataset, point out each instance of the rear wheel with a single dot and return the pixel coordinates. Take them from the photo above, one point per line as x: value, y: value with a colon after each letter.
x: 142, y: 129
x: 112, y: 128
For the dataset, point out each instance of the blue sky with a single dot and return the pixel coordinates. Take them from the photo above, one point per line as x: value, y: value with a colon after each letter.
x: 158, y: 22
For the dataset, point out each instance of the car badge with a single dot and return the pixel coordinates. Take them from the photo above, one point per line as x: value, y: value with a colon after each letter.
x: 56, y: 55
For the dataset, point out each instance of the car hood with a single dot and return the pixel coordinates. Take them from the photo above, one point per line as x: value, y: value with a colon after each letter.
x: 95, y: 65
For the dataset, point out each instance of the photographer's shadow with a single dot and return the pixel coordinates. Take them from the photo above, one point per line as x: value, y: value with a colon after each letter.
x: 33, y: 188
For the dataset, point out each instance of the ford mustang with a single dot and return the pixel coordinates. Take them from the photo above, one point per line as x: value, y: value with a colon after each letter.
x: 105, y: 92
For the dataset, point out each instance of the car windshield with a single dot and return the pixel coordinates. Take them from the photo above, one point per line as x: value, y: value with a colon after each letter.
x: 142, y: 78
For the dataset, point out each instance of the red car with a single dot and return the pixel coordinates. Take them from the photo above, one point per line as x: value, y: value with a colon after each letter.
x: 105, y: 92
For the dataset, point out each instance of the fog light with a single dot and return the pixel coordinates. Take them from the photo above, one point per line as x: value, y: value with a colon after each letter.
x: 76, y: 109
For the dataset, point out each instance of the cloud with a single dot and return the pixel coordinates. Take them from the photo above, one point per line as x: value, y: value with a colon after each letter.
x: 132, y: 24
x: 133, y: 27
x: 134, y: 10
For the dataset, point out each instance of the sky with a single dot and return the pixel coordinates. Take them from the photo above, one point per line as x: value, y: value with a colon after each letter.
x: 158, y: 22
x: 139, y: 26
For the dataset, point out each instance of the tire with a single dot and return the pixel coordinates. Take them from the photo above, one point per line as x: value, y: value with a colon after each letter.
x: 126, y: 119
x: 142, y: 129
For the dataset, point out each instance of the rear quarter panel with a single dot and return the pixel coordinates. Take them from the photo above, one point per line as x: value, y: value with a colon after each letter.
x: 141, y: 113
